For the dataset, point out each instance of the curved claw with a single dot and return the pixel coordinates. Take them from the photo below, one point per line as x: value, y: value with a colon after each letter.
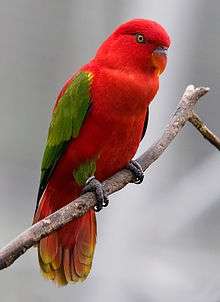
x: 106, y: 201
x: 95, y: 186
x: 136, y: 170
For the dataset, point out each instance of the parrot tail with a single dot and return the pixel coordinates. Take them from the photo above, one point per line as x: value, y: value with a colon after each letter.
x: 66, y: 255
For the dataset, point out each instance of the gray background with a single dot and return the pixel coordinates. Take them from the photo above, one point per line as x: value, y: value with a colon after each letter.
x: 158, y: 242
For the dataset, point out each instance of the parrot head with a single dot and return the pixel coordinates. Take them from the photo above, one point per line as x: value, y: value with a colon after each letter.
x: 137, y: 45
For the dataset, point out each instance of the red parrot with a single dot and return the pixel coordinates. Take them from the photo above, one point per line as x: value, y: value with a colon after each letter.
x: 98, y: 121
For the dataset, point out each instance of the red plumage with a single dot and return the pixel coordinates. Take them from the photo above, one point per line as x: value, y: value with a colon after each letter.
x: 125, y: 80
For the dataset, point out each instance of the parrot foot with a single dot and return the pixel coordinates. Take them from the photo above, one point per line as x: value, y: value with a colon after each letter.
x: 136, y: 170
x: 95, y: 186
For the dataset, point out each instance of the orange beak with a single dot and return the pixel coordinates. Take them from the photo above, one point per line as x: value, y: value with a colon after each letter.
x: 159, y: 59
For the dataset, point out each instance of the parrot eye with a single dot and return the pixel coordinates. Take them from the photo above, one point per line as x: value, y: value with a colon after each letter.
x: 140, y: 38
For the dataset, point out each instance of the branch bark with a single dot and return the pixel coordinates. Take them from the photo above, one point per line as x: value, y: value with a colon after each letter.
x: 204, y: 130
x: 80, y: 206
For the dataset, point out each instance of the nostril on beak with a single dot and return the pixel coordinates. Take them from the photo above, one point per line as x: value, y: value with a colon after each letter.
x: 161, y: 50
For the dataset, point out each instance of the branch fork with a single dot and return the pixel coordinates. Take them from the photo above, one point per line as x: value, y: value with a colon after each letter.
x: 81, y: 205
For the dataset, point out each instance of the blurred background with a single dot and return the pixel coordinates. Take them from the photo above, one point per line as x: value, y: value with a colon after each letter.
x: 158, y: 242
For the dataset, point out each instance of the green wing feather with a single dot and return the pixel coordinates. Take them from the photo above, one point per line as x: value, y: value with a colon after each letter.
x: 67, y: 119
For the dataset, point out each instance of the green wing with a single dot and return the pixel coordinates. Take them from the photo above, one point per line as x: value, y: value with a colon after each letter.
x: 67, y: 119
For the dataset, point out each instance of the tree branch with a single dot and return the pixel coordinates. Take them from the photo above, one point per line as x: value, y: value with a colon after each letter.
x: 204, y: 130
x: 80, y: 206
